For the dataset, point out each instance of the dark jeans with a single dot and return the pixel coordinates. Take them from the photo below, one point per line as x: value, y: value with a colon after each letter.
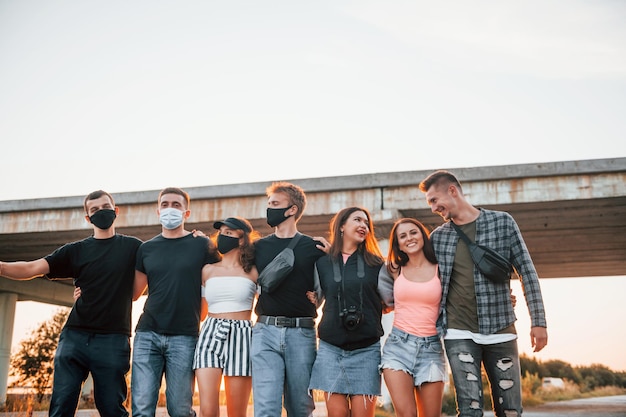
x: 106, y: 356
x: 501, y: 362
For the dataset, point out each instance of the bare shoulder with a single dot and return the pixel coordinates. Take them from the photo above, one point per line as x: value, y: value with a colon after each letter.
x: 208, y: 270
x: 253, y: 275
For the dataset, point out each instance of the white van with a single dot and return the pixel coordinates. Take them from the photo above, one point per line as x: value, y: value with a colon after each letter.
x: 550, y: 382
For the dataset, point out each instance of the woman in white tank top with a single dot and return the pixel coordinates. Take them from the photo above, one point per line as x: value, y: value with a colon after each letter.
x: 223, y: 349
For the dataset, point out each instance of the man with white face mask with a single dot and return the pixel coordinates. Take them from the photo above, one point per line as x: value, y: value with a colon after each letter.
x: 170, y: 266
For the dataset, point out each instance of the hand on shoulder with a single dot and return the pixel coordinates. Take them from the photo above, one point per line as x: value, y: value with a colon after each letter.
x: 322, y: 244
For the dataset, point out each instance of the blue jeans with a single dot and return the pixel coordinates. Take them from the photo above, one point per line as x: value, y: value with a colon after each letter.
x: 501, y: 362
x: 106, y: 356
x: 155, y: 355
x: 282, y: 359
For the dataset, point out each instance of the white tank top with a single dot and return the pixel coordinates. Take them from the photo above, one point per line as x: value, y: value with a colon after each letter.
x: 229, y: 294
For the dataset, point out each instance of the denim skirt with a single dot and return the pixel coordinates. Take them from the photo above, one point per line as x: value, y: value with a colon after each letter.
x: 421, y: 357
x: 350, y: 372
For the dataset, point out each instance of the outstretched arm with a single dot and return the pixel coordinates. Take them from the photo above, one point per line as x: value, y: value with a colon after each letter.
x: 24, y: 270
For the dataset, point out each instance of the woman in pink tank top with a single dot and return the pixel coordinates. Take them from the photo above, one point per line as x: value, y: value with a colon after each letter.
x: 413, y: 360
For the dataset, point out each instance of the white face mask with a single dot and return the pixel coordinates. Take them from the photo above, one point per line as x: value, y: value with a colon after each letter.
x: 171, y: 218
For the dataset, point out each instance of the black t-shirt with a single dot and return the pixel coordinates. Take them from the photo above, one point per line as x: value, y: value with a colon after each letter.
x: 359, y: 292
x: 289, y: 298
x: 174, y: 270
x: 104, y: 269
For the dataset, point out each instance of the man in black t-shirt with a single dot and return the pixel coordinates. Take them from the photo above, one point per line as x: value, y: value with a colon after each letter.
x: 96, y: 337
x: 283, y: 339
x: 170, y: 266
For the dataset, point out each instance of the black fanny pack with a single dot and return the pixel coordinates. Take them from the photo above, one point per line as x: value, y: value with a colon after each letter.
x: 490, y: 263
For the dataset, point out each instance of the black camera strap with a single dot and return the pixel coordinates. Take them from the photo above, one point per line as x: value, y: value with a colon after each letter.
x: 360, y: 268
x: 338, y: 276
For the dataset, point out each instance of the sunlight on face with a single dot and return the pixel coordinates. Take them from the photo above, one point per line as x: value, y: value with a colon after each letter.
x: 356, y: 227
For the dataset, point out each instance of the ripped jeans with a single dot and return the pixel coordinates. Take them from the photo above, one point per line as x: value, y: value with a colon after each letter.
x: 501, y: 362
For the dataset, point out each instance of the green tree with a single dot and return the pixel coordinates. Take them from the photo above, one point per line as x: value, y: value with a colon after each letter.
x: 532, y: 366
x: 603, y: 376
x: 562, y: 369
x: 33, y: 363
x: 620, y: 379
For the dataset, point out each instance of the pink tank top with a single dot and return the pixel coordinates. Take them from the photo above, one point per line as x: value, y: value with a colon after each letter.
x: 416, y: 305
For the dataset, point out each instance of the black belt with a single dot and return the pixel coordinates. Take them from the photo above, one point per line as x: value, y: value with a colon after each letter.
x: 281, y: 321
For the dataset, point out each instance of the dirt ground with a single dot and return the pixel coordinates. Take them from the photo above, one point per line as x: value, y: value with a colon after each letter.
x: 614, y: 406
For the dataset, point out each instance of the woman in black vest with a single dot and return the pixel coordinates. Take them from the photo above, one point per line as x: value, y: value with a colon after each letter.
x: 346, y: 367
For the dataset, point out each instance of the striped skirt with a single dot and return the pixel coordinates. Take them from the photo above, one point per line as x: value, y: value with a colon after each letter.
x: 225, y: 344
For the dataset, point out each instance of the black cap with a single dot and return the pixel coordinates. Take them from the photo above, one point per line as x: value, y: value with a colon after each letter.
x: 234, y: 223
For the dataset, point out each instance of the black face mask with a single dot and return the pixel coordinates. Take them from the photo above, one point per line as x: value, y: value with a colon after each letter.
x: 226, y: 243
x: 103, y: 219
x: 276, y: 216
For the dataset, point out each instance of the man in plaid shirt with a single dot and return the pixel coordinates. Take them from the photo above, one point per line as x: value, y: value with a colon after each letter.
x: 477, y: 313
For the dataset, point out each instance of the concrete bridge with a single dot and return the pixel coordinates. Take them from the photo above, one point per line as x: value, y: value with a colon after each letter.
x: 572, y: 215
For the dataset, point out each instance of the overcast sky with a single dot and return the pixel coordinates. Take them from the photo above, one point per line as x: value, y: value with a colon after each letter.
x: 145, y: 94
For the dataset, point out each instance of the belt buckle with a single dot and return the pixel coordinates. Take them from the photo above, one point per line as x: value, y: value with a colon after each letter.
x: 283, y: 321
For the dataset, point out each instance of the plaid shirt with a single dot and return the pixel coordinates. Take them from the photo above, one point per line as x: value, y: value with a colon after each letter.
x: 499, y: 231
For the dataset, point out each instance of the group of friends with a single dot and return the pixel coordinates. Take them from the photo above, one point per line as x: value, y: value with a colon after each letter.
x: 197, y: 325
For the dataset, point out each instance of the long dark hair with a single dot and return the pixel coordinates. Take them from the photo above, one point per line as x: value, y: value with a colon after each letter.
x: 246, y: 250
x: 396, y: 258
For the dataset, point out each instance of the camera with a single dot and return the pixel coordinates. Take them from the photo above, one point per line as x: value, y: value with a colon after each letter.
x: 351, y: 317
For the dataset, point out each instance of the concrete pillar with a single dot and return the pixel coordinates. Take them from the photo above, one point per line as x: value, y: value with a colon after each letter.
x: 7, y: 318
